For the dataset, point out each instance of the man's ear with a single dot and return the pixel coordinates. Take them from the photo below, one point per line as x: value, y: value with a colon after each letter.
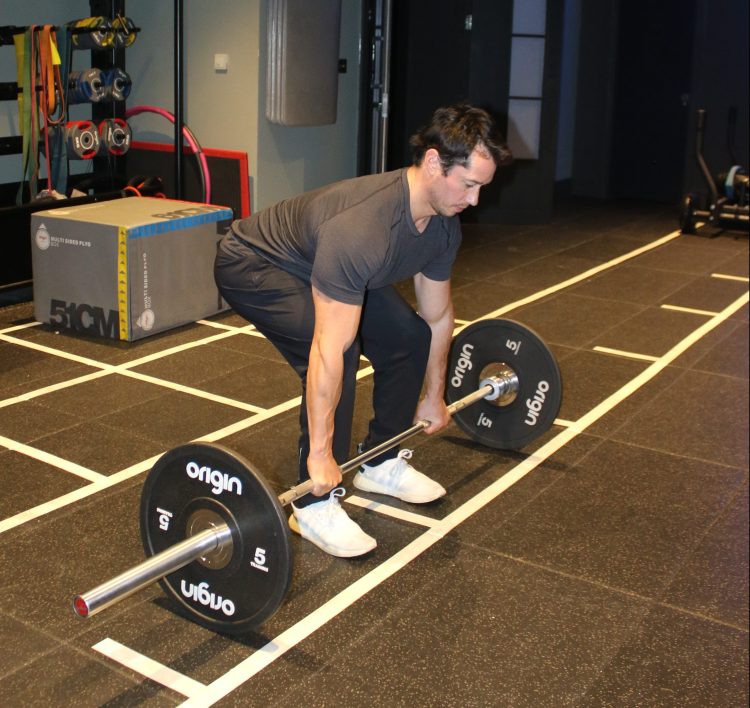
x: 433, y: 163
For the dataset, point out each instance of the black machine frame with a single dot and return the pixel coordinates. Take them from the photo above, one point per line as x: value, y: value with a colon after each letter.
x: 725, y: 208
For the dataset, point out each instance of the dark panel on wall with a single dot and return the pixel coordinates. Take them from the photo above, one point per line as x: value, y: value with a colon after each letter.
x: 228, y: 174
x: 595, y: 98
x: 15, y: 265
x: 489, y: 84
x: 652, y: 96
x: 429, y: 66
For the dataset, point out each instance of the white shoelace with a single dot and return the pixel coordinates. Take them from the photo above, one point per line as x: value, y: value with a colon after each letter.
x: 338, y: 492
x: 333, y: 507
x: 401, y: 461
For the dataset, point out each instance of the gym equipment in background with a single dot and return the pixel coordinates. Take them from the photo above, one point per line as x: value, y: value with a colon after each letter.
x: 727, y: 205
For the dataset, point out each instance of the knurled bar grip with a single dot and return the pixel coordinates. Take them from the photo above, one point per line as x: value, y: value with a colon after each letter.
x: 307, y: 486
x: 220, y: 535
x: 156, y: 567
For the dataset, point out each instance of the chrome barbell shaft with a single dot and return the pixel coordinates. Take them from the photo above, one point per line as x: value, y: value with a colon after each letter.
x: 194, y: 547
x: 494, y: 384
x: 155, y: 568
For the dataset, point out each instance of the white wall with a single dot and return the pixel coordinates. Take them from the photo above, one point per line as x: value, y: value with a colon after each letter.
x: 224, y: 110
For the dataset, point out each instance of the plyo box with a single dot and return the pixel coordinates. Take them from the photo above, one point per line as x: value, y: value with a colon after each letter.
x: 127, y: 268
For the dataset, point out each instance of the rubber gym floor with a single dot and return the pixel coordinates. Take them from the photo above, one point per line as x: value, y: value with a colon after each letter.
x: 605, y: 564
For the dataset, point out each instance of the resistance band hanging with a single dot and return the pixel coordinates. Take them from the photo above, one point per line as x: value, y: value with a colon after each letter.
x: 58, y: 147
x: 27, y: 118
x: 39, y: 110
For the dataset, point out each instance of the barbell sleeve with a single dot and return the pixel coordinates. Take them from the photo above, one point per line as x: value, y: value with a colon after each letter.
x: 156, y: 567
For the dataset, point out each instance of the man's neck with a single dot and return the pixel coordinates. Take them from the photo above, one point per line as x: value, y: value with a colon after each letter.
x: 421, y: 211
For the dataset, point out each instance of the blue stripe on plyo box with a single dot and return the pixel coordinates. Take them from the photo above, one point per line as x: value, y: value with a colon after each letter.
x: 184, y: 222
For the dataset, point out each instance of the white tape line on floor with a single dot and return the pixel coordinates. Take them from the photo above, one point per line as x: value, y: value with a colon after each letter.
x: 723, y: 276
x: 689, y: 310
x: 52, y: 460
x: 392, y: 511
x: 149, y: 668
x: 626, y: 355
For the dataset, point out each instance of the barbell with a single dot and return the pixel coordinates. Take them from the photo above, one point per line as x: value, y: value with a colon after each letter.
x: 215, y: 533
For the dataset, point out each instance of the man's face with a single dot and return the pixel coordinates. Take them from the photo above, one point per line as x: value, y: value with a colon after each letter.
x: 450, y: 194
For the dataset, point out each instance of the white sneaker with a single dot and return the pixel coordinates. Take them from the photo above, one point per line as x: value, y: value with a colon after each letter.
x: 327, y: 525
x: 397, y: 478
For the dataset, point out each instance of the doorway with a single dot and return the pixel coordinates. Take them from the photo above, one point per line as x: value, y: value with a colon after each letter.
x: 652, y: 99
x: 429, y: 43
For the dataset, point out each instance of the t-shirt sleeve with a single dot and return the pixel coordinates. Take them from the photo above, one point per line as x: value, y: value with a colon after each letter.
x: 344, y: 265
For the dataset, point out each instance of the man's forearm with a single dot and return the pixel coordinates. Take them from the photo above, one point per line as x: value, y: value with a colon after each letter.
x: 335, y: 328
x: 442, y: 335
x: 324, y: 381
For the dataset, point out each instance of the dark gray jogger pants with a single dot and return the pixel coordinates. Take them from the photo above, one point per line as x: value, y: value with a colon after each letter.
x: 394, y: 338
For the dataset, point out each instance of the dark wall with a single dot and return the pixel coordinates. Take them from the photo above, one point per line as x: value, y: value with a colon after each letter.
x: 595, y: 97
x: 720, y: 83
x: 435, y: 61
x: 651, y: 99
x: 644, y: 70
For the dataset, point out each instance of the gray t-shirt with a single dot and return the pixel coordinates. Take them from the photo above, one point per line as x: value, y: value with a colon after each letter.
x: 353, y: 236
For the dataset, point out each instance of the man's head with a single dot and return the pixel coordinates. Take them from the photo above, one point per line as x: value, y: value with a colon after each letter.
x: 455, y: 132
x: 456, y: 155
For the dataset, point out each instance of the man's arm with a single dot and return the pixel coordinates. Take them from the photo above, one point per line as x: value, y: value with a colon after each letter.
x: 336, y: 326
x: 436, y: 308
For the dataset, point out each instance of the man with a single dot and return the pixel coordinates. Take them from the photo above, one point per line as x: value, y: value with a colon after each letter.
x: 315, y: 275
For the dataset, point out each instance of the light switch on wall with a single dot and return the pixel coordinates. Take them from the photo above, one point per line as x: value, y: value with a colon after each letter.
x: 221, y: 62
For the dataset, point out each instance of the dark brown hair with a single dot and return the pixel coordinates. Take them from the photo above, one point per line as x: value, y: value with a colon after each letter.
x: 455, y: 131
